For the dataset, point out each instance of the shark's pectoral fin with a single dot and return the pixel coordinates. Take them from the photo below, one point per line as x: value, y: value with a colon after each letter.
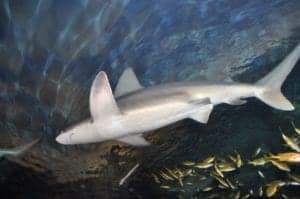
x: 237, y: 102
x: 102, y: 101
x: 128, y: 83
x: 202, y: 115
x: 136, y: 140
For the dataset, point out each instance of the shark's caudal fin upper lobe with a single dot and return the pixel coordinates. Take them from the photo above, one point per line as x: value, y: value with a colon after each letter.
x: 272, y: 82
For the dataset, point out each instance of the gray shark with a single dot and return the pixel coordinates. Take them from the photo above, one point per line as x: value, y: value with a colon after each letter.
x: 133, y: 109
x: 17, y: 151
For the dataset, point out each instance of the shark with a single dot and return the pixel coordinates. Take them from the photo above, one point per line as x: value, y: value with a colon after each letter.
x: 18, y: 151
x: 133, y: 110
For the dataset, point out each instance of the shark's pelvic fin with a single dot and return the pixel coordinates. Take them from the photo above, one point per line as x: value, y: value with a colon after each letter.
x: 202, y: 115
x: 136, y: 140
x: 102, y: 101
x: 272, y: 82
x: 128, y: 83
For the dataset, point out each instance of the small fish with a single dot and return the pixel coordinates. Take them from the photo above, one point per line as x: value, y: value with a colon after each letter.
x: 156, y: 179
x: 165, y: 187
x: 233, y: 159
x: 246, y: 196
x: 284, y: 196
x: 259, y: 161
x: 180, y: 182
x: 165, y: 176
x: 188, y: 163
x: 209, y: 159
x: 226, y: 167
x: 257, y: 152
x: 261, y: 174
x: 231, y: 185
x: 251, y: 192
x: 273, y: 187
x: 123, y: 180
x: 221, y: 181
x: 291, y: 157
x: 293, y: 183
x: 221, y: 186
x: 218, y: 171
x: 295, y: 177
x: 260, y: 191
x: 237, y: 195
x: 206, y: 189
x: 290, y: 142
x: 20, y: 150
x: 189, y: 172
x: 297, y: 130
x: 171, y: 173
x: 239, y: 161
x: 202, y: 165
x: 281, y: 165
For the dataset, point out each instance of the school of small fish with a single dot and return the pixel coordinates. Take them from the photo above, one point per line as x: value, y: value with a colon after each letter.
x: 214, y: 172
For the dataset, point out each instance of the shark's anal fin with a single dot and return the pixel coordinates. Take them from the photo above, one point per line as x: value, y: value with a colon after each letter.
x: 202, y: 115
x: 128, y: 83
x: 135, y: 140
x: 102, y: 101
x: 237, y: 102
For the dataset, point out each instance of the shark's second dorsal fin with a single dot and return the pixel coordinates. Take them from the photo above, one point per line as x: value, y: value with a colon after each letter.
x: 128, y: 83
x: 102, y: 101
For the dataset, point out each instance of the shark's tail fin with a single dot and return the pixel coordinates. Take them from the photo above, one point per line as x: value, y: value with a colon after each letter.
x: 272, y: 82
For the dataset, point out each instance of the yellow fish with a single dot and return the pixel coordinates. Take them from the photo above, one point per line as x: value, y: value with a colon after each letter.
x: 165, y: 187
x: 297, y: 130
x: 209, y: 188
x: 156, y: 179
x: 221, y: 181
x: 188, y: 163
x: 209, y: 159
x: 260, y: 191
x: 295, y: 177
x: 291, y: 157
x: 238, y: 195
x: 291, y: 143
x: 281, y: 165
x: 203, y: 165
x: 226, y: 167
x: 259, y: 161
x: 239, y: 161
x: 231, y: 185
x: 218, y: 171
x: 273, y: 187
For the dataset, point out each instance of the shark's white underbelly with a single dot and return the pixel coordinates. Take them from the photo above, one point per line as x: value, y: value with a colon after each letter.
x: 153, y: 118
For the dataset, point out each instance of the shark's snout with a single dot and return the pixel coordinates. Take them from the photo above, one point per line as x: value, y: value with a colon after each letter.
x: 63, y: 138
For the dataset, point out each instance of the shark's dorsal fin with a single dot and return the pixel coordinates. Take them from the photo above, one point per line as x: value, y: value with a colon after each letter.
x: 102, y: 101
x: 135, y: 140
x: 128, y: 83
